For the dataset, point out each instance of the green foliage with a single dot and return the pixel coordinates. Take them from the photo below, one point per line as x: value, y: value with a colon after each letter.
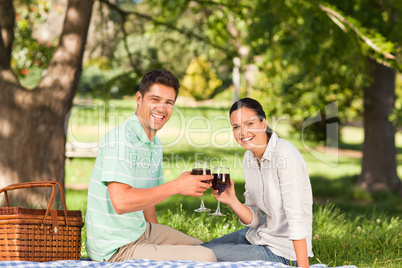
x: 92, y: 77
x: 194, y: 28
x: 30, y: 51
x: 107, y: 83
x: 200, y: 81
x: 172, y: 8
x: 306, y: 60
x: 32, y: 77
x: 374, y: 24
x: 157, y: 37
x: 307, y: 57
x: 309, y: 61
x: 102, y: 63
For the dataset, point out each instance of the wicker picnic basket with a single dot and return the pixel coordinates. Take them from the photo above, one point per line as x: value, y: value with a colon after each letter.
x: 39, y: 234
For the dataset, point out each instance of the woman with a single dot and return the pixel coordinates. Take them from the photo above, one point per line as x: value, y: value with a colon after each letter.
x: 277, y: 185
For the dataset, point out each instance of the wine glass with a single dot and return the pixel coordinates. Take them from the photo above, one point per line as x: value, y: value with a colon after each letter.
x: 220, y: 182
x: 201, y: 168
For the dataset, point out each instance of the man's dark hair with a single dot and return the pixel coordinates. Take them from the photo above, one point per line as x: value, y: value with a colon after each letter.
x: 162, y: 77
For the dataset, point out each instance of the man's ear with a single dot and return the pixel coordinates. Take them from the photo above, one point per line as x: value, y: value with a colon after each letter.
x: 138, y: 97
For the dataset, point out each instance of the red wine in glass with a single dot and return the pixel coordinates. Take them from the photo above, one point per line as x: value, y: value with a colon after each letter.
x: 200, y: 171
x: 220, y: 182
x: 201, y: 168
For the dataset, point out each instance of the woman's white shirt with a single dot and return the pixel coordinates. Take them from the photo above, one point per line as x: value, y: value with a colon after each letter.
x: 279, y: 188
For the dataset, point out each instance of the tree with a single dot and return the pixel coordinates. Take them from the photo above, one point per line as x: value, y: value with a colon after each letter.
x: 379, y: 151
x: 377, y: 25
x: 346, y: 52
x: 314, y: 52
x: 379, y: 173
x: 32, y: 133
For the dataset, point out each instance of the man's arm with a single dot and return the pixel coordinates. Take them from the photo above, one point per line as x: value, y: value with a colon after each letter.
x: 150, y: 215
x: 128, y: 199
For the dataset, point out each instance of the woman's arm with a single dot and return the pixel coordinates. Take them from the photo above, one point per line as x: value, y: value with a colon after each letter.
x: 242, y: 212
x: 229, y: 197
x: 300, y: 247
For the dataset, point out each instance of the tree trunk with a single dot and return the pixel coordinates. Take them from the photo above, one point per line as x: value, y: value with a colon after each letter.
x: 32, y: 132
x: 379, y: 151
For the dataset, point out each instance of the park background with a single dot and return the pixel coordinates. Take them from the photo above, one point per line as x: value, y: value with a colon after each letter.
x: 324, y: 71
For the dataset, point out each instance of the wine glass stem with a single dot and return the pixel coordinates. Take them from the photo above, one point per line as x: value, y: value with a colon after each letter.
x: 202, y: 201
x: 219, y: 204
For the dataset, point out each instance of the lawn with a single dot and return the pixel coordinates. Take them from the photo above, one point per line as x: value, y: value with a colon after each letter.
x: 350, y: 226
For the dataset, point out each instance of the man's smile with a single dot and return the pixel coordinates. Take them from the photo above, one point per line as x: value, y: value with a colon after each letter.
x: 158, y: 116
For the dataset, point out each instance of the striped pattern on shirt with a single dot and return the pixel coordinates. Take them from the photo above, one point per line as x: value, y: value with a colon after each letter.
x: 127, y: 156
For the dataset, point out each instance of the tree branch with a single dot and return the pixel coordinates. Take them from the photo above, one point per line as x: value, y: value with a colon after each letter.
x: 7, y: 18
x: 337, y: 22
x: 185, y: 32
x: 341, y: 20
x: 123, y: 17
x: 236, y: 5
x: 123, y: 29
x: 66, y: 64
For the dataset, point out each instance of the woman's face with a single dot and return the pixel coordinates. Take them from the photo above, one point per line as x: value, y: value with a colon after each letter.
x: 248, y: 129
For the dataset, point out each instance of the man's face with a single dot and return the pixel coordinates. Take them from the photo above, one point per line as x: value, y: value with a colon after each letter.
x: 155, y: 107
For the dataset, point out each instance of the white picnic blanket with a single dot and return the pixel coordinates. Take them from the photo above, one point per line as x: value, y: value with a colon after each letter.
x: 151, y: 264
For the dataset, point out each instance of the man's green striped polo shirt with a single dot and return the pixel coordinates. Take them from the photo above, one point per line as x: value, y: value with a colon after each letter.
x: 127, y: 156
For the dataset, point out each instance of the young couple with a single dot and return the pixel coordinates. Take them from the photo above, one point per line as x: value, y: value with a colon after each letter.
x: 123, y: 190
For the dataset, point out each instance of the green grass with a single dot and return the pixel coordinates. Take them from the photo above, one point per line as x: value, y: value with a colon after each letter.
x: 367, y: 240
x: 370, y: 239
x: 350, y: 226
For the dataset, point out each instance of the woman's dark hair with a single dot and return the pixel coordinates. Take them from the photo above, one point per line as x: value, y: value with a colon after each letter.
x: 253, y: 105
x: 162, y: 77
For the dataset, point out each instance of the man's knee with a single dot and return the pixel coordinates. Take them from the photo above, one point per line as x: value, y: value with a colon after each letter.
x: 208, y: 255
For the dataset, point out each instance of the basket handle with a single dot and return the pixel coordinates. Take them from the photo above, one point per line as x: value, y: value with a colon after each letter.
x: 39, y: 184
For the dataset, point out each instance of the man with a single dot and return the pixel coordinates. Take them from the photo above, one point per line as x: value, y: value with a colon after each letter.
x: 127, y: 182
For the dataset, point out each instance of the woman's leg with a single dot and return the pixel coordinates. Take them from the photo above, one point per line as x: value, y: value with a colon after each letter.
x: 238, y: 237
x: 238, y: 252
x: 275, y: 258
x: 235, y: 247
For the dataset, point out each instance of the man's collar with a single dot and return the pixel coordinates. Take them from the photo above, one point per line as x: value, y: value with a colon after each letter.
x: 134, y: 124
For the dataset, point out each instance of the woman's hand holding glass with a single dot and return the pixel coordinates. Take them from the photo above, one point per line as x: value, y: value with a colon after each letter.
x: 228, y: 196
x: 220, y: 182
